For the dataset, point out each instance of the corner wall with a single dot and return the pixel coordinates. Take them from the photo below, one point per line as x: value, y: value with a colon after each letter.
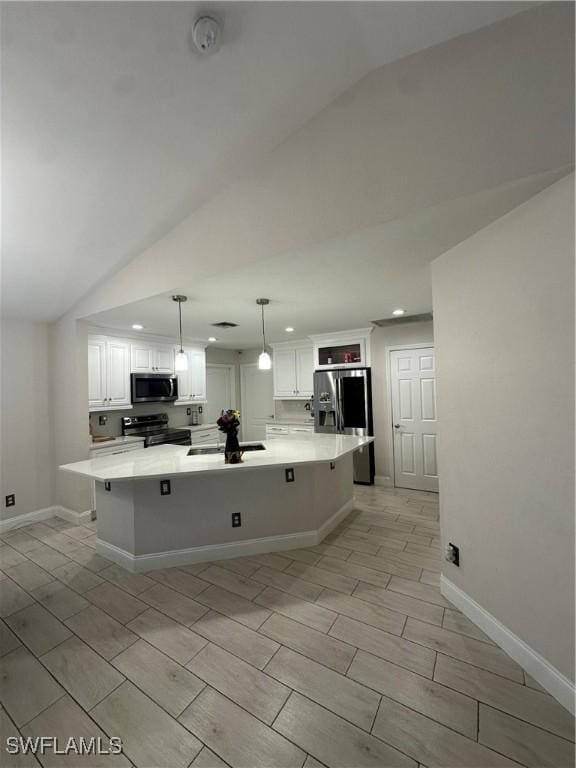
x: 26, y: 443
x: 504, y: 330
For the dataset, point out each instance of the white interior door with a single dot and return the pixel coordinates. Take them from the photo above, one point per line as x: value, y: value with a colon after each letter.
x: 257, y: 401
x: 414, y: 421
x: 220, y: 391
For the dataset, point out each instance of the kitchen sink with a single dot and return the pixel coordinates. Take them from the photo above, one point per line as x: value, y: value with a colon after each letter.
x: 212, y: 449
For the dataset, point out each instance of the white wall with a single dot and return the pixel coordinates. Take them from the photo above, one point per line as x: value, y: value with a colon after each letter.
x: 381, y: 338
x: 504, y: 330
x: 410, y: 135
x: 26, y: 461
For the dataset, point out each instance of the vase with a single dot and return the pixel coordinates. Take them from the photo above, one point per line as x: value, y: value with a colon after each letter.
x: 232, y: 452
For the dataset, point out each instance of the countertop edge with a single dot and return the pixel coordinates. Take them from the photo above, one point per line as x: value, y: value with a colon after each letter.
x: 214, y: 469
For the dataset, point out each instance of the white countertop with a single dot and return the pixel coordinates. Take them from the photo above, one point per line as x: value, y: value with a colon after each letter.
x: 121, y: 440
x: 170, y: 460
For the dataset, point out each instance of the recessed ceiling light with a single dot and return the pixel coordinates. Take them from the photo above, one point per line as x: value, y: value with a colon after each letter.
x: 399, y: 312
x: 212, y: 338
x: 289, y: 329
x: 137, y: 327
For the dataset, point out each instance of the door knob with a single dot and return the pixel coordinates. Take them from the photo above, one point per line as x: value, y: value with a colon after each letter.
x: 397, y: 426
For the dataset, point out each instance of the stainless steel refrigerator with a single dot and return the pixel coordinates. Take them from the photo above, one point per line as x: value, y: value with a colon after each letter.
x: 343, y: 405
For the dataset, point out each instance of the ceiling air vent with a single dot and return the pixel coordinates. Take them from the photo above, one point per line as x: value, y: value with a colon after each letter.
x: 225, y: 324
x: 403, y: 319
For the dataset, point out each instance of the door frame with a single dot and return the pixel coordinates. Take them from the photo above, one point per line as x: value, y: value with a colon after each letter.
x: 390, y: 415
x: 243, y: 367
x: 232, y: 370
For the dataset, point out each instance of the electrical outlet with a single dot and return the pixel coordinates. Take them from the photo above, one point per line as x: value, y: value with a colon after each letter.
x: 102, y: 420
x: 11, y: 500
x: 165, y: 488
x: 236, y: 519
x: 290, y: 475
x: 107, y: 485
x: 200, y: 409
x: 188, y: 411
x: 453, y: 554
x: 332, y: 465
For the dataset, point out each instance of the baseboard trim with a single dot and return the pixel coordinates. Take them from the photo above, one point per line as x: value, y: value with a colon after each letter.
x: 28, y: 517
x: 45, y: 514
x: 74, y: 517
x: 174, y: 558
x: 384, y: 481
x: 557, y: 684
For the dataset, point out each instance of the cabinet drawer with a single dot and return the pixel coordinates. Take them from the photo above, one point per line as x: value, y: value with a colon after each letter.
x: 204, y: 437
x: 95, y: 453
x: 307, y: 429
x: 276, y: 429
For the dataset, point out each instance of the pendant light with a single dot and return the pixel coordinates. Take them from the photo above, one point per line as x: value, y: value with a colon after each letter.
x: 264, y: 360
x: 181, y: 358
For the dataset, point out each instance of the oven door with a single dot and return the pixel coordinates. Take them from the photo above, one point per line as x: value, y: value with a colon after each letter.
x: 153, y: 388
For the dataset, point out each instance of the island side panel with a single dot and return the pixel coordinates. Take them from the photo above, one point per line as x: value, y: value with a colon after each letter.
x: 193, y: 523
x: 115, y: 521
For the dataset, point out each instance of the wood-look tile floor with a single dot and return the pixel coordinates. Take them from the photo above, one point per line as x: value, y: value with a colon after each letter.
x: 343, y: 655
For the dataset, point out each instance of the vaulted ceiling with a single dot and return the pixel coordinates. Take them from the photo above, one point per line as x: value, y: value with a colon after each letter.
x: 114, y: 129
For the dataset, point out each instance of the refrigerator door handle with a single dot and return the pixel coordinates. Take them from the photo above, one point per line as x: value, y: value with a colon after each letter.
x: 338, y: 404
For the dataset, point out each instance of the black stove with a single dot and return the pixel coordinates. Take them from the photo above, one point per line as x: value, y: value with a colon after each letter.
x: 155, y: 430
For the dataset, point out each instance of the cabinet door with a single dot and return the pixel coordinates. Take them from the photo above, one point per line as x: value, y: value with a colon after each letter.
x: 141, y: 358
x: 197, y: 371
x: 163, y: 359
x: 118, y: 365
x: 305, y: 372
x: 184, y: 382
x: 284, y: 370
x: 97, y: 396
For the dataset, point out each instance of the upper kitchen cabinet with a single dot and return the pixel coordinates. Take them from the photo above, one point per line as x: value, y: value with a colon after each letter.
x: 293, y: 371
x: 347, y: 349
x: 151, y: 358
x: 192, y: 383
x: 108, y: 373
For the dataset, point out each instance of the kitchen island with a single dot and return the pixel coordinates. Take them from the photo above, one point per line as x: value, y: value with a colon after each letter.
x: 160, y: 507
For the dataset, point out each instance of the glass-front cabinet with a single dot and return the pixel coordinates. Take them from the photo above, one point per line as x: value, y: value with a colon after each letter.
x: 342, y: 350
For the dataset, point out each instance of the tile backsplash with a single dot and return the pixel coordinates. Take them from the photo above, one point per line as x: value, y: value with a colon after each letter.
x: 113, y: 427
x: 292, y: 410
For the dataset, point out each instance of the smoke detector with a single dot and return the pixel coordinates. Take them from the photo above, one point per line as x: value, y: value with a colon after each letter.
x: 206, y: 34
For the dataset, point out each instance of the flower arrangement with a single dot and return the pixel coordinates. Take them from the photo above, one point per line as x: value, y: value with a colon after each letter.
x: 228, y: 422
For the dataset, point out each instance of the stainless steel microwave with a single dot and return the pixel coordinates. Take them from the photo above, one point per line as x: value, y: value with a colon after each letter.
x: 153, y: 387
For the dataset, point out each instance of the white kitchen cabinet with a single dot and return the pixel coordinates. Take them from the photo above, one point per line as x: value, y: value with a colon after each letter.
x: 284, y: 373
x: 151, y: 358
x: 192, y: 383
x: 164, y: 359
x: 307, y: 429
x: 345, y: 349
x: 97, y: 391
x: 283, y: 430
x: 305, y: 371
x: 205, y: 435
x: 293, y: 371
x: 108, y: 373
x: 276, y: 430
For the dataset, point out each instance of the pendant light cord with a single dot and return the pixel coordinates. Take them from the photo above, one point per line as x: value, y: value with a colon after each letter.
x: 263, y: 330
x: 180, y: 317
